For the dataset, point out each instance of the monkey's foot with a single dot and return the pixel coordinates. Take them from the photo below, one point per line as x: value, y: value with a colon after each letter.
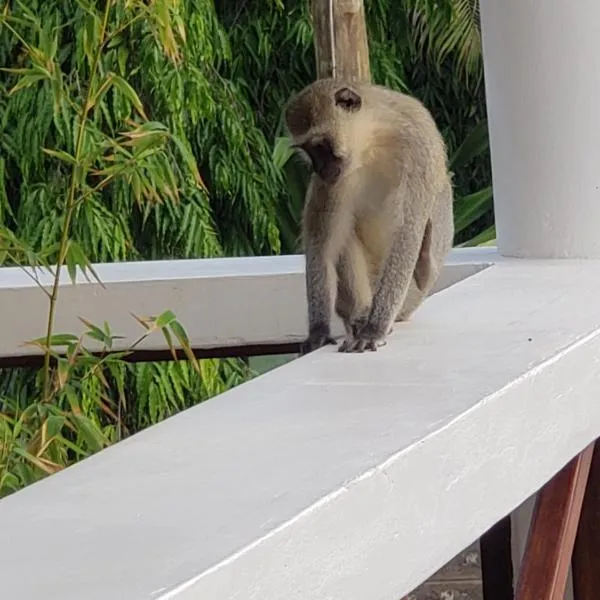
x: 317, y: 338
x: 360, y: 345
x: 347, y: 344
x: 367, y: 339
x: 359, y: 324
x: 352, y: 331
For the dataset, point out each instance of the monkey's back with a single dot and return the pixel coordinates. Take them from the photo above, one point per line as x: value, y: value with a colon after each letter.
x: 405, y: 134
x: 404, y: 140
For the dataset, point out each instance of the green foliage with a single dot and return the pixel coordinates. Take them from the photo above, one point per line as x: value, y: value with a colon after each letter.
x: 83, y: 157
x: 451, y: 33
x: 185, y: 89
x: 472, y: 208
x: 445, y: 70
x: 87, y: 406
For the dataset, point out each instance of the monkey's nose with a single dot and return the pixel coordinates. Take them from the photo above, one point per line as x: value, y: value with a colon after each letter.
x: 330, y: 170
x: 325, y: 163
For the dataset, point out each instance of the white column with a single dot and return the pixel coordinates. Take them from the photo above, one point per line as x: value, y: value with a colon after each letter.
x: 542, y: 70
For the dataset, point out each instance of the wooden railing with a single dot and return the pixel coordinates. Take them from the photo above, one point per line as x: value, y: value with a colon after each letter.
x: 335, y: 476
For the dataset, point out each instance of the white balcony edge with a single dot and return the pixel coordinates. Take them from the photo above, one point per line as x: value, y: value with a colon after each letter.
x: 335, y: 476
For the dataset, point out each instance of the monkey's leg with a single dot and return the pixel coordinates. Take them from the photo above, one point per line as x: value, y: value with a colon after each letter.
x: 423, y: 269
x: 343, y: 307
x: 320, y: 283
x: 414, y: 299
x: 434, y: 250
x: 326, y: 228
x: 354, y: 292
x: 424, y: 277
x: 392, y: 288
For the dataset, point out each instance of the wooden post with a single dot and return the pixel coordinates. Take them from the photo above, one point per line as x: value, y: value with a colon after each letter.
x: 545, y: 566
x: 586, y: 554
x: 340, y: 33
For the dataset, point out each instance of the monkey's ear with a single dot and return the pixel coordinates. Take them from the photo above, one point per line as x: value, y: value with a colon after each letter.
x: 348, y: 99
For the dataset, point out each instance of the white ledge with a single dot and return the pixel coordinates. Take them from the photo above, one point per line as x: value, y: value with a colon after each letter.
x: 336, y: 476
x: 221, y: 302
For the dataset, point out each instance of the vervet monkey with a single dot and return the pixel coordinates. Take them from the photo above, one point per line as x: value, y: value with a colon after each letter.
x: 377, y: 221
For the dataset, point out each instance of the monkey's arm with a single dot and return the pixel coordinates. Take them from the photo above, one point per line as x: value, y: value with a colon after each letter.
x: 392, y: 287
x: 320, y: 286
x: 326, y: 227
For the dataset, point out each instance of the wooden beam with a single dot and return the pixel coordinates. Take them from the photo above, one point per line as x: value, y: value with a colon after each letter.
x: 164, y: 354
x: 340, y: 37
x: 545, y: 567
x: 586, y: 554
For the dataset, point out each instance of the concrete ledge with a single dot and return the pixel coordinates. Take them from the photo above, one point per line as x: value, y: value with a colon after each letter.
x: 221, y: 302
x: 338, y: 477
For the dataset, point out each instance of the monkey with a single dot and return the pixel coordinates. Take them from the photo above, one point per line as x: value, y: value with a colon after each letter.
x: 377, y: 221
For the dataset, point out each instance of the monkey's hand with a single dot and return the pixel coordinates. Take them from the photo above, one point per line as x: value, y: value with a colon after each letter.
x: 369, y: 337
x: 356, y: 326
x: 318, y: 336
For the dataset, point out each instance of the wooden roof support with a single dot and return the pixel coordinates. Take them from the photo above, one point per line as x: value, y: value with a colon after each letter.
x: 340, y: 35
x: 552, y: 534
x: 586, y: 554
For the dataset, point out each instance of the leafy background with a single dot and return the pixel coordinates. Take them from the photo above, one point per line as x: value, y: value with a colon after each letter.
x: 220, y: 91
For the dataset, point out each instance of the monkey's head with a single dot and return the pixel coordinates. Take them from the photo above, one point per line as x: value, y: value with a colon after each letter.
x: 323, y: 121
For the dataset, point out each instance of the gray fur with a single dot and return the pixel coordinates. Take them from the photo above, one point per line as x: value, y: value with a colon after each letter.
x: 377, y: 223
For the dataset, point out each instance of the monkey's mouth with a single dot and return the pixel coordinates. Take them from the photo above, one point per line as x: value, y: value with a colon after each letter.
x: 324, y: 161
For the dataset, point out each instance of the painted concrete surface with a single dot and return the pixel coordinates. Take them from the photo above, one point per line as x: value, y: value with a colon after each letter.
x: 318, y: 480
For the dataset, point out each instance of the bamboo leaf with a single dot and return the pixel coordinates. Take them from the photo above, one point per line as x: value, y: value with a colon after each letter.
x: 27, y: 81
x: 89, y: 432
x: 190, y: 161
x: 60, y: 154
x: 125, y: 88
x: 165, y: 319
x: 76, y: 257
x: 180, y: 332
x: 56, y: 339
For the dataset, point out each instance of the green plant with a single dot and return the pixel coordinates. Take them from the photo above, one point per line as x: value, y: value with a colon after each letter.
x: 451, y: 77
x: 72, y: 409
x: 99, y: 158
x: 56, y: 428
x: 452, y: 30
x: 297, y: 174
x: 188, y: 90
x: 472, y: 208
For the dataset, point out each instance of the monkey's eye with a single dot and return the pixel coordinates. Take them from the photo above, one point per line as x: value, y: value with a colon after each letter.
x: 348, y: 99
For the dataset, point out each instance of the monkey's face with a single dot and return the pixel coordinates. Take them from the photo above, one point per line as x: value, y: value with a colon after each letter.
x: 325, y: 163
x: 319, y: 120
